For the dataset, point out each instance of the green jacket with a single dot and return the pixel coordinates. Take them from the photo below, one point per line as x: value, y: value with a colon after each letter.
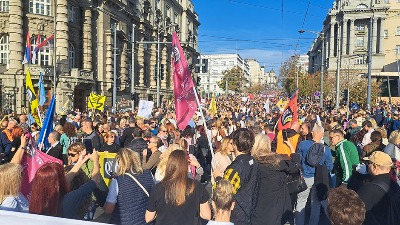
x: 346, y: 157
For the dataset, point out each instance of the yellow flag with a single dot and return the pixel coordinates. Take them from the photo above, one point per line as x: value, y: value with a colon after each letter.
x: 96, y: 101
x: 108, y: 166
x: 31, y: 92
x: 213, y: 106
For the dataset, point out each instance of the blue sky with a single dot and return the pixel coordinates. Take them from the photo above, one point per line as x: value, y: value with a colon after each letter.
x: 254, y: 28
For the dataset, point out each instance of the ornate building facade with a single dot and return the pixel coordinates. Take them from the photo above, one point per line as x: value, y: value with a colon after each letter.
x: 83, y: 49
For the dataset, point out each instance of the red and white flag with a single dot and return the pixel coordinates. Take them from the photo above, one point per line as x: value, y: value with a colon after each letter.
x: 184, y: 93
x: 289, y: 114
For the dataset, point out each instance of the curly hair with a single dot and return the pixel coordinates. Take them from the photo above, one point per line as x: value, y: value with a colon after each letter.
x: 345, y: 207
x: 69, y: 129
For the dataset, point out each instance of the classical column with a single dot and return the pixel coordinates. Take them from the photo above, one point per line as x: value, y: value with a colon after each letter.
x: 140, y: 59
x: 108, y: 78
x: 164, y: 62
x: 123, y: 65
x: 352, y: 39
x: 87, y: 40
x: 381, y: 35
x: 62, y: 31
x: 153, y: 61
x: 331, y: 40
x: 374, y: 34
x: 344, y: 36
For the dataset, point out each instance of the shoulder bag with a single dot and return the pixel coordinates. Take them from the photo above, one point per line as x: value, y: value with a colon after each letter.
x: 138, y: 183
x: 295, y: 181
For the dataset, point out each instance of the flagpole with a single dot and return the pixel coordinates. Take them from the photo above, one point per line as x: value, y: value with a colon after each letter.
x: 204, y: 123
x: 40, y: 117
x: 54, y: 47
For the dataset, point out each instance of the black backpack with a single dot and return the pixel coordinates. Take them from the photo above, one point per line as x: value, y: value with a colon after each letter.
x: 393, y: 213
x: 315, y: 154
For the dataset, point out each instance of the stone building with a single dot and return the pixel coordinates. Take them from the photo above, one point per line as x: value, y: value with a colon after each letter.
x: 257, y: 73
x: 346, y: 38
x: 84, y: 47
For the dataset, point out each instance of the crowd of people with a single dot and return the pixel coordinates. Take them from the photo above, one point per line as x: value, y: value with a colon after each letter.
x: 341, y: 165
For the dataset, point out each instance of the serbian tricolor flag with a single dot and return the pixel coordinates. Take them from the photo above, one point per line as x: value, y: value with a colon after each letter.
x: 28, y: 53
x: 289, y: 113
x: 184, y: 92
x: 39, y: 45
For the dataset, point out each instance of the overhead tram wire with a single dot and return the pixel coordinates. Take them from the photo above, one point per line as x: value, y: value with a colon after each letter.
x: 302, y: 25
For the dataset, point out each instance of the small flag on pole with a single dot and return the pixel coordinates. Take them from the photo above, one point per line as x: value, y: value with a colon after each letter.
x: 42, y: 91
x: 28, y: 52
x: 47, y: 127
x: 31, y: 92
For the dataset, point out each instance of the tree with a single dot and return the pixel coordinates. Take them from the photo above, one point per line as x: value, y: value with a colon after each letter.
x: 236, y: 79
x: 358, y: 91
x: 255, y: 89
x: 287, y: 74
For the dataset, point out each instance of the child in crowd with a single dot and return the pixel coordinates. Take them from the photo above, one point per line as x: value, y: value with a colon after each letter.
x: 223, y: 203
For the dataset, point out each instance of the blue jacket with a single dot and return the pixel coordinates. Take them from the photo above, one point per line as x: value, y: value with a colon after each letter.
x: 309, y: 171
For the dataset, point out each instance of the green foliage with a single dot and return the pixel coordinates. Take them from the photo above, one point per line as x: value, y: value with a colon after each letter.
x: 236, y: 80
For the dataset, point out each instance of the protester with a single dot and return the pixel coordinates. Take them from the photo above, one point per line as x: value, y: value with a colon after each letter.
x: 223, y: 157
x: 243, y: 173
x: 316, y: 161
x: 346, y: 156
x: 290, y: 134
x: 377, y: 193
x: 109, y: 145
x: 50, y: 201
x: 127, y: 134
x: 129, y: 191
x: 90, y: 133
x: 138, y: 144
x: 345, y: 207
x: 274, y: 204
x: 154, y: 144
x: 177, y: 199
x: 223, y: 203
x: 68, y: 138
x: 55, y: 148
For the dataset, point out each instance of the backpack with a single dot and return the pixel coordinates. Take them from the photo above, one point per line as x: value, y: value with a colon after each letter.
x: 315, y: 154
x: 393, y: 213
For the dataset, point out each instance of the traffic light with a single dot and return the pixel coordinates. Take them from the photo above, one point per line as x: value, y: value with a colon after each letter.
x: 162, y: 72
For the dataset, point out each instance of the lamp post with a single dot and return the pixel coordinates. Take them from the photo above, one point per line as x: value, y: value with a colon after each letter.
x: 322, y: 35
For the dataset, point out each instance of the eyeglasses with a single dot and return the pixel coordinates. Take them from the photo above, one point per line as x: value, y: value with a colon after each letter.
x: 165, y: 131
x: 72, y: 154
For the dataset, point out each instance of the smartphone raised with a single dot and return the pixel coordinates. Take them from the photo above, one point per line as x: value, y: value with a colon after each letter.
x: 88, y: 145
x: 284, y: 135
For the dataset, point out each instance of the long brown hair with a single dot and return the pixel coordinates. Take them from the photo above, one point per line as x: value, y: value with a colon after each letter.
x: 176, y: 182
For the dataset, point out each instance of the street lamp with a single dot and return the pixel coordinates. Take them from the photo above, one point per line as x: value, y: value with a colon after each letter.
x: 322, y: 35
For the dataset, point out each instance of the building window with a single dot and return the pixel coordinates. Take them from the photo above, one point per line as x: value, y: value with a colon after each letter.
x: 71, y: 55
x: 4, y: 6
x: 168, y: 11
x: 44, y: 53
x: 398, y: 31
x: 360, y: 42
x: 359, y: 61
x: 41, y: 7
x: 397, y: 49
x: 385, y: 34
x: 72, y: 13
x: 360, y: 27
x: 4, y: 49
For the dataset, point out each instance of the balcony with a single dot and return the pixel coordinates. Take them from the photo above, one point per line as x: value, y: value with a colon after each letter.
x: 81, y: 74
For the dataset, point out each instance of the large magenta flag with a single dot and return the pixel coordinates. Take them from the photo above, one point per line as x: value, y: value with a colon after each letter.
x: 185, y: 97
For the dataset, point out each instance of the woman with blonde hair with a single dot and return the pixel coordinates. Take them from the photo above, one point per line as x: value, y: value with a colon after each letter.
x: 161, y: 168
x: 177, y: 199
x: 224, y: 157
x: 11, y: 198
x: 274, y: 203
x: 128, y: 194
x: 393, y: 148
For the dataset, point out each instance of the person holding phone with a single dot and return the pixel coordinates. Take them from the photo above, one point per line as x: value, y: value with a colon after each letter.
x: 290, y: 134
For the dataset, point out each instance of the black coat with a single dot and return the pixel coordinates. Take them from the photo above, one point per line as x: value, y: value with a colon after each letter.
x: 126, y: 136
x: 274, y: 202
x: 56, y: 152
x: 137, y: 145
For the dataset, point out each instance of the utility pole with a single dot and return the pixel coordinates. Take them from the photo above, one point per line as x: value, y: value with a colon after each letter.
x: 339, y: 55
x: 54, y: 49
x: 297, y: 77
x: 114, y: 99
x: 158, y: 66
x: 133, y: 67
x: 226, y: 86
x: 321, y: 96
x: 369, y: 62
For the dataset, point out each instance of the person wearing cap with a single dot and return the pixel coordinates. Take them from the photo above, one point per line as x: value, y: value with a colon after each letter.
x: 375, y: 198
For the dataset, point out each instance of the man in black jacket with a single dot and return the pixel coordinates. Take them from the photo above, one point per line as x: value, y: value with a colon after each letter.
x: 243, y: 174
x: 127, y: 134
x: 375, y: 198
x: 55, y: 148
x: 138, y: 144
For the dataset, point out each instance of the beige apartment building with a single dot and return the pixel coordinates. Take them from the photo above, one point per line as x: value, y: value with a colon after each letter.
x: 346, y: 41
x: 84, y: 52
x: 257, y: 73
